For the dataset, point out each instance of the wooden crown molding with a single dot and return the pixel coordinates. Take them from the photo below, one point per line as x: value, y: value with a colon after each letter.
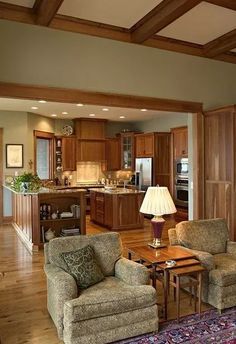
x: 230, y: 4
x: 46, y: 10
x: 64, y: 95
x: 161, y: 16
x: 221, y: 44
x: 65, y: 23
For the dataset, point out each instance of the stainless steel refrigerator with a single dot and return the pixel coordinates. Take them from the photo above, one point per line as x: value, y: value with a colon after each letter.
x: 143, y: 172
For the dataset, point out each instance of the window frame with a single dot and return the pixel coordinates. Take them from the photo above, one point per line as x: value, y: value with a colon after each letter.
x: 48, y: 136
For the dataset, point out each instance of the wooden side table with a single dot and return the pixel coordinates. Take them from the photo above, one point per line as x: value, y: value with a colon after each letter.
x: 194, y: 274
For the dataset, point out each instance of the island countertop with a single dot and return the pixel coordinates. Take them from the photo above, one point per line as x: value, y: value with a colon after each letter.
x: 116, y: 191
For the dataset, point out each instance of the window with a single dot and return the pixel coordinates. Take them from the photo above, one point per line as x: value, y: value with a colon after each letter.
x: 43, y: 154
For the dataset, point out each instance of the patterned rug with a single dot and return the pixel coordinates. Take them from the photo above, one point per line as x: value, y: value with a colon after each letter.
x: 210, y: 328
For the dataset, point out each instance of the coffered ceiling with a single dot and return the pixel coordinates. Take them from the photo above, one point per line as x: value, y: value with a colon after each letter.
x: 195, y: 27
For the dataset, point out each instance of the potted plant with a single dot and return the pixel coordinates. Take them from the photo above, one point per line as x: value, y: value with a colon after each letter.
x: 27, y: 182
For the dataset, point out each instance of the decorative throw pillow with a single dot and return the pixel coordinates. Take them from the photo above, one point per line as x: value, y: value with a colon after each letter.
x: 82, y: 265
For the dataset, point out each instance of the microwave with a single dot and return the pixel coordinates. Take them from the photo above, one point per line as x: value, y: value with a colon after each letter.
x: 181, y: 167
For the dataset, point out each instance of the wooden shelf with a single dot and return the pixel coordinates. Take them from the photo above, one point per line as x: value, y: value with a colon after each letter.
x: 59, y: 220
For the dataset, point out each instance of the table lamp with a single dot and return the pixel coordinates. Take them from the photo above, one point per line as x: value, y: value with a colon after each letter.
x: 157, y: 202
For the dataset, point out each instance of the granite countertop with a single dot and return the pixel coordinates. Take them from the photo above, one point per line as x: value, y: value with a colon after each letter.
x: 47, y: 190
x: 116, y: 191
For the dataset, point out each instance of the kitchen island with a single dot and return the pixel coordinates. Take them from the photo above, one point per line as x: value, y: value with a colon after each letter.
x: 116, y: 209
x: 35, y: 213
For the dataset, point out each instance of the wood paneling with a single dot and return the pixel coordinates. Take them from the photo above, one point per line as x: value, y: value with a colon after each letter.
x: 90, y: 129
x: 113, y: 154
x: 144, y: 144
x: 161, y: 16
x: 66, y: 95
x: 69, y: 153
x: 220, y: 165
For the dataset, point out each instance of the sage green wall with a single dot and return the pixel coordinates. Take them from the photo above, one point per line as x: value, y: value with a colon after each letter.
x: 42, y: 56
x: 163, y: 123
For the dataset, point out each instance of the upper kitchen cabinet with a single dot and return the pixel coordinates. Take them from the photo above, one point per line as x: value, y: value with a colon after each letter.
x: 144, y: 145
x: 113, y: 153
x: 127, y: 150
x: 69, y: 153
x: 90, y: 135
x: 180, y: 142
x: 162, y: 168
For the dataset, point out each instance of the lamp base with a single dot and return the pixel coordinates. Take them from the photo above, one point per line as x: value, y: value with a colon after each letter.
x: 155, y: 244
x: 157, y: 225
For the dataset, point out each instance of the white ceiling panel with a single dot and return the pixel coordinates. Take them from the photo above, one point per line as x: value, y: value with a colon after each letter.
x: 114, y: 12
x: 25, y: 3
x: 202, y: 24
x: 74, y: 111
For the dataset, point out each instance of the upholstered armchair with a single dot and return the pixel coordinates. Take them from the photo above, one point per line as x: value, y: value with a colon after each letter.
x: 208, y: 240
x: 120, y: 306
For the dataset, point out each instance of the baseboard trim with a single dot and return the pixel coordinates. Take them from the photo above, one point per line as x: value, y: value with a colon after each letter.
x: 29, y: 245
x: 7, y: 220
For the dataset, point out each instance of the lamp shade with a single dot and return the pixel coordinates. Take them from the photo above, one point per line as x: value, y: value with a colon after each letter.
x: 158, y: 201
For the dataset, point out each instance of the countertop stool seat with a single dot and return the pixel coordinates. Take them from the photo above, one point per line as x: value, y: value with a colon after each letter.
x: 194, y: 276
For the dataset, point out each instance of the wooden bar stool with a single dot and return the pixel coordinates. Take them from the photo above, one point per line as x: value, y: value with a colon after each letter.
x: 194, y: 275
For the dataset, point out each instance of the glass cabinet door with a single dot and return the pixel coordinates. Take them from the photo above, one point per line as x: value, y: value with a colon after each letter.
x: 127, y: 151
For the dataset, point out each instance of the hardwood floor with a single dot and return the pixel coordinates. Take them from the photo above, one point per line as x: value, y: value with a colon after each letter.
x: 23, y: 312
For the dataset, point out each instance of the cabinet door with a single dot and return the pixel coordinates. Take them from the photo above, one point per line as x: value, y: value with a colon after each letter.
x: 180, y: 142
x: 127, y: 151
x: 91, y: 150
x: 69, y: 153
x: 113, y: 154
x: 149, y: 145
x: 140, y: 143
x: 162, y: 160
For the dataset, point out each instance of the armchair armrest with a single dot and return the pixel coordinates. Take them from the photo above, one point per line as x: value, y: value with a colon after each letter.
x: 61, y: 287
x: 131, y: 272
x: 231, y: 247
x: 205, y: 258
x: 173, y: 237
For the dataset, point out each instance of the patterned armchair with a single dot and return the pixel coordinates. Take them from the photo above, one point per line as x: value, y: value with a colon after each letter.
x: 122, y: 305
x: 208, y: 240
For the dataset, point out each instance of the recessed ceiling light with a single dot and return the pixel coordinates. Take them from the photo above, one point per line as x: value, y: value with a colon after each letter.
x: 54, y: 115
x: 91, y: 114
x: 80, y: 104
x: 143, y: 110
x: 42, y: 101
x: 105, y: 109
x: 64, y: 113
x: 122, y: 116
x: 34, y: 107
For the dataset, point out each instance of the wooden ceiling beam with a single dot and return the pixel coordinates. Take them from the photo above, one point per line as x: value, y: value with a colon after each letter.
x: 74, y: 96
x: 161, y: 16
x: 230, y: 4
x: 46, y: 10
x: 221, y: 44
x: 16, y: 13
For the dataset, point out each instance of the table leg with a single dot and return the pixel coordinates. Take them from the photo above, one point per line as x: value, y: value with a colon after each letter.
x: 154, y: 281
x: 166, y: 288
x: 199, y: 278
x: 129, y: 255
x: 177, y: 295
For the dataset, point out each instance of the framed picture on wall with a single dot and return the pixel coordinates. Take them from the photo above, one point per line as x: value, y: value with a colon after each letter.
x: 14, y: 155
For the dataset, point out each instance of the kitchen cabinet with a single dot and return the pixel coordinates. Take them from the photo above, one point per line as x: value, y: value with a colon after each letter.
x: 127, y: 150
x: 112, y: 154
x: 180, y: 142
x: 144, y: 144
x: 69, y: 153
x: 117, y: 210
x: 90, y: 150
x: 162, y: 160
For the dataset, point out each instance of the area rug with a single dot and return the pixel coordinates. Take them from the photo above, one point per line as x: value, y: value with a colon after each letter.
x: 209, y: 328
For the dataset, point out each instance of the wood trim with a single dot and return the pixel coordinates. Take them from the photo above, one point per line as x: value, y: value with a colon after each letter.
x: 46, y: 11
x: 1, y: 175
x: 50, y: 137
x: 17, y: 13
x: 230, y: 4
x: 161, y: 16
x: 230, y: 108
x: 7, y: 220
x: 66, y: 95
x: 221, y: 44
x: 198, y: 166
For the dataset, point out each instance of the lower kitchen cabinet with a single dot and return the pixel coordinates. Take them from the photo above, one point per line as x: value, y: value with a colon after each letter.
x: 118, y: 210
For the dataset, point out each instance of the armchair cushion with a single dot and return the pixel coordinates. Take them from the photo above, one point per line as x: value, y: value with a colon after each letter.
x: 206, y: 259
x: 111, y: 296
x: 131, y: 272
x: 225, y: 272
x: 82, y: 265
x: 231, y: 247
x: 203, y: 235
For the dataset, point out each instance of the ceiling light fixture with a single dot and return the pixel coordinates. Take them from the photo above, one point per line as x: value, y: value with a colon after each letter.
x: 42, y: 101
x: 122, y: 116
x: 143, y: 110
x: 54, y: 115
x: 80, y: 104
x: 91, y: 114
x: 105, y: 109
x: 34, y: 107
x: 64, y: 113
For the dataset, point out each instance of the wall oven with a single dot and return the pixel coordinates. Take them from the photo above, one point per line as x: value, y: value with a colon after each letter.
x: 181, y: 167
x: 181, y: 182
x: 181, y: 195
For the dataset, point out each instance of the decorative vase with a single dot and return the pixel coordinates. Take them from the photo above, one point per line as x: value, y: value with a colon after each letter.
x: 49, y: 235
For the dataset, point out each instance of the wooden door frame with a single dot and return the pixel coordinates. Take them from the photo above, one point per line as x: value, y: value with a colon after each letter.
x: 1, y: 176
x: 65, y: 95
